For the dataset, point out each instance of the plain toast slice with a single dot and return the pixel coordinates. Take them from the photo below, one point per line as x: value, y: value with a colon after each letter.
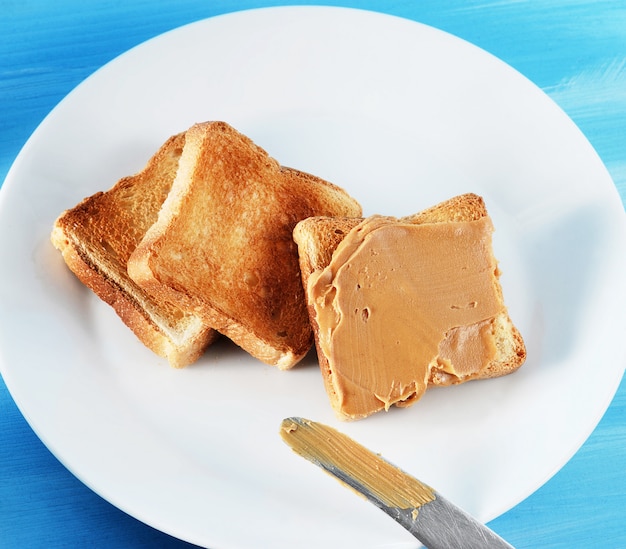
x: 222, y: 244
x: 318, y: 238
x: 97, y: 237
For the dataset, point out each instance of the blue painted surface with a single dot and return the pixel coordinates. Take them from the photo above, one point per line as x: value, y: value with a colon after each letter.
x: 573, y: 50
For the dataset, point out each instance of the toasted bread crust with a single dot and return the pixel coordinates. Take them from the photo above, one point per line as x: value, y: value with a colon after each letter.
x: 222, y: 243
x: 97, y: 237
x: 317, y: 238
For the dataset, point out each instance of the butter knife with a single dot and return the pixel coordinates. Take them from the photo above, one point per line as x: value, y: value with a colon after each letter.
x: 431, y: 518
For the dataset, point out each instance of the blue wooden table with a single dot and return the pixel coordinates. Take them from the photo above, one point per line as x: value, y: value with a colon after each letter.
x: 575, y: 50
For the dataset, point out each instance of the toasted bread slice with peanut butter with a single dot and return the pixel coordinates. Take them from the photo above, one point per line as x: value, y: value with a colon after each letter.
x: 222, y: 244
x: 320, y: 239
x: 97, y: 237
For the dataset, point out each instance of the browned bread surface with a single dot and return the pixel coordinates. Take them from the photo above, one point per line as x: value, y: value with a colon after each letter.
x: 222, y: 244
x: 96, y: 239
x: 317, y: 238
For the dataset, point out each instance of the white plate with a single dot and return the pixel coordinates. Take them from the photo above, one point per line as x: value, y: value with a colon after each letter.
x: 402, y: 116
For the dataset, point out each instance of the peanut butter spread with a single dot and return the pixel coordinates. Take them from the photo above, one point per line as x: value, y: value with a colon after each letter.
x: 354, y: 464
x: 399, y: 299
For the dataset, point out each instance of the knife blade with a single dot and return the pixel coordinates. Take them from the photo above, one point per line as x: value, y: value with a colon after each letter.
x: 432, y: 519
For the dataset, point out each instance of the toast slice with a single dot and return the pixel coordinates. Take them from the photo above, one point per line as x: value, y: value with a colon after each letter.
x: 320, y: 240
x: 97, y: 237
x: 222, y: 244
